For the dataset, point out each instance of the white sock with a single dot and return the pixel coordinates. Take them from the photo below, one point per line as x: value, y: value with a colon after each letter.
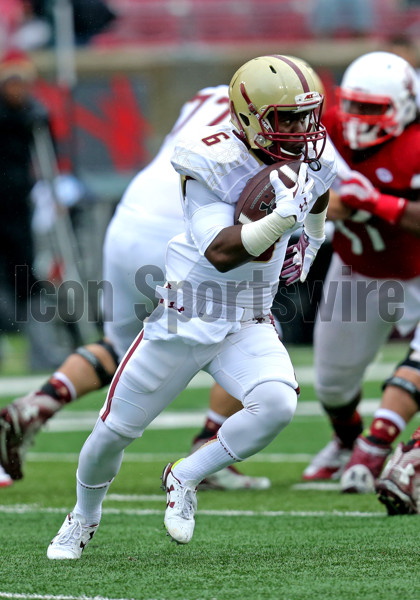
x: 215, y: 417
x: 208, y: 459
x: 390, y: 415
x: 89, y: 501
x: 69, y: 384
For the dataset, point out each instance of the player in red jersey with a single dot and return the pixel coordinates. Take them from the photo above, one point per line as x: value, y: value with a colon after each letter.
x: 373, y: 283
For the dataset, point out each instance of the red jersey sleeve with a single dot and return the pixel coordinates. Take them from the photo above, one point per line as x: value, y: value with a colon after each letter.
x: 377, y: 249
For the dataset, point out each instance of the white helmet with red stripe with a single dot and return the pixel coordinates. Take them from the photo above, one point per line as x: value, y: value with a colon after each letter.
x: 266, y: 86
x: 377, y: 99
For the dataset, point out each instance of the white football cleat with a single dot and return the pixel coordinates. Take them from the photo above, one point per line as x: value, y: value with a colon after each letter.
x: 399, y: 486
x: 230, y: 478
x: 358, y: 479
x: 71, y: 539
x: 329, y: 463
x: 5, y: 479
x: 20, y: 421
x: 364, y: 467
x: 180, y: 507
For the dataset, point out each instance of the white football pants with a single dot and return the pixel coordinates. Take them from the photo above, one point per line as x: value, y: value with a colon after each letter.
x: 356, y: 319
x: 154, y: 372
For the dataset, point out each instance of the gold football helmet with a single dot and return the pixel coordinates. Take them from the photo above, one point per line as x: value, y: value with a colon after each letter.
x: 266, y: 86
x: 319, y: 86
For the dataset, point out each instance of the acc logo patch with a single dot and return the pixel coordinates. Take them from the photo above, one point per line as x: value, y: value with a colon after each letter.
x: 384, y: 175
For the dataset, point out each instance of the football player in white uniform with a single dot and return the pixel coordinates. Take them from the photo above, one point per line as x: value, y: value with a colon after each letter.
x: 148, y: 215
x: 214, y: 310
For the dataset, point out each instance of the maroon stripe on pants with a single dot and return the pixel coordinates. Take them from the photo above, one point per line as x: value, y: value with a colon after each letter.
x: 118, y: 375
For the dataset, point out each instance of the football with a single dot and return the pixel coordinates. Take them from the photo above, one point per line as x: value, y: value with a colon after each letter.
x: 258, y: 199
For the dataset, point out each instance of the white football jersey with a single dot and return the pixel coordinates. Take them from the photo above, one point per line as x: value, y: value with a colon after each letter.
x: 147, y: 217
x: 219, y: 165
x: 154, y: 192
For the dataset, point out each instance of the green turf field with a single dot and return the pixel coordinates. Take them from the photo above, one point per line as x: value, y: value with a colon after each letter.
x: 288, y: 543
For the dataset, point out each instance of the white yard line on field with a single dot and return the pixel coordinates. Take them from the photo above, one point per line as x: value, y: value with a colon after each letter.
x: 134, y: 497
x: 85, y: 420
x: 16, y: 386
x: 33, y: 508
x: 320, y: 486
x: 15, y: 596
x: 148, y: 457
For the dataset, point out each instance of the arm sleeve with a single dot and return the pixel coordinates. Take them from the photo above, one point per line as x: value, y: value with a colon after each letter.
x: 206, y: 214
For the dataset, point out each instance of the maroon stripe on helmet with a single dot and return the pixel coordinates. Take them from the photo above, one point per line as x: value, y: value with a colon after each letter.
x: 296, y: 69
x: 247, y: 99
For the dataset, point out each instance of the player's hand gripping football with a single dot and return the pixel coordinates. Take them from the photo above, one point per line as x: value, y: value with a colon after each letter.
x: 295, y: 201
x: 299, y: 258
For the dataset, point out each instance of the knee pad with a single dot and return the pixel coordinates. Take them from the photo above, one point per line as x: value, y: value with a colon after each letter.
x: 268, y: 409
x: 273, y: 402
x: 104, y: 377
x: 412, y: 361
x: 339, y: 395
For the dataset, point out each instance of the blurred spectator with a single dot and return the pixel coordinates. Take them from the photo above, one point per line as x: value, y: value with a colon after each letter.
x: 30, y: 24
x: 90, y: 17
x: 33, y: 31
x: 333, y: 17
x: 20, y: 114
x: 11, y: 16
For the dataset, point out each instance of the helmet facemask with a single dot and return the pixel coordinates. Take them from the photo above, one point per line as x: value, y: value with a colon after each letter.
x: 273, y: 141
x: 367, y: 119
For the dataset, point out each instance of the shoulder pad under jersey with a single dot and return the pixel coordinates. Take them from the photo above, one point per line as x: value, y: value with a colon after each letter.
x: 216, y: 158
x: 327, y: 173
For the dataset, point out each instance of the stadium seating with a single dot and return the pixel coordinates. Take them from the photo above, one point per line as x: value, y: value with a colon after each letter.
x: 212, y: 22
x: 228, y: 21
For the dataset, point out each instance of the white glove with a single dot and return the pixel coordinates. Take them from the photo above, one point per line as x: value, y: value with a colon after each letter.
x: 296, y: 200
x: 299, y: 258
